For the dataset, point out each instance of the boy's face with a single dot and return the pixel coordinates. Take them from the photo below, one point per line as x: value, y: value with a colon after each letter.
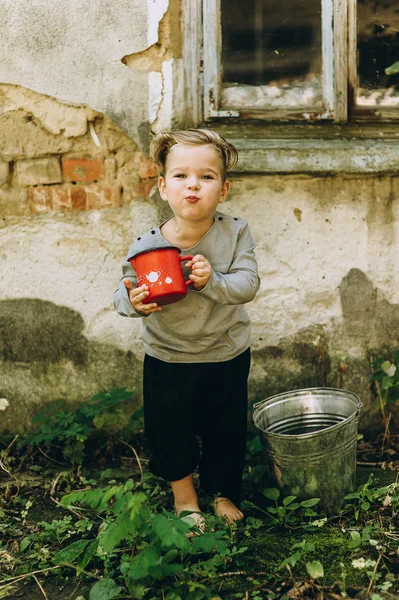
x: 193, y: 184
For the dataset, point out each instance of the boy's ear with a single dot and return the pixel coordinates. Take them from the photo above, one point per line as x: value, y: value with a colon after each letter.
x: 162, y: 188
x: 225, y: 191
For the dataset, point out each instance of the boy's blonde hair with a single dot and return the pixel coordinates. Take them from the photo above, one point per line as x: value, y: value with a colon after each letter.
x: 163, y: 142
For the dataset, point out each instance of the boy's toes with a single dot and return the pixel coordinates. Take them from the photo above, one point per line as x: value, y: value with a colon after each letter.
x: 225, y: 508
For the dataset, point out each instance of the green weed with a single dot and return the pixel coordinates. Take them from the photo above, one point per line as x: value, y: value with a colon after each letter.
x: 65, y: 432
x: 121, y: 540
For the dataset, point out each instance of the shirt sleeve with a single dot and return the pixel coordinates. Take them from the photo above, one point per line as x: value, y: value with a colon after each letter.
x: 241, y: 283
x: 121, y: 296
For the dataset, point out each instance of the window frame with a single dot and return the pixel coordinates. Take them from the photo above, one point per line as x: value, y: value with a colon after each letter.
x: 202, y: 60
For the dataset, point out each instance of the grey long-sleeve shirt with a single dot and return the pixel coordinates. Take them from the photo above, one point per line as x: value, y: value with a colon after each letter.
x: 208, y: 325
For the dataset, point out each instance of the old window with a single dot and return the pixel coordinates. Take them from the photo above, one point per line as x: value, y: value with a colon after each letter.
x: 271, y: 56
x: 294, y: 59
x: 376, y: 79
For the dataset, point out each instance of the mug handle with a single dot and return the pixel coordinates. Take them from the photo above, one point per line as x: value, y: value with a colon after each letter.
x: 187, y: 257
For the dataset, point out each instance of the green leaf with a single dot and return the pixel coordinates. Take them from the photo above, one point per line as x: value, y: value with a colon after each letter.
x: 169, y: 556
x: 310, y: 502
x: 137, y: 590
x: 293, y: 506
x: 315, y: 569
x: 135, y: 515
x: 139, y: 565
x: 352, y: 496
x: 168, y: 532
x: 117, y: 531
x: 292, y: 560
x: 70, y: 553
x: 392, y: 69
x: 272, y: 510
x: 88, y: 554
x: 288, y: 500
x: 161, y: 571
x: 272, y: 493
x: 25, y: 543
x: 105, y: 589
x: 205, y: 542
x: 173, y: 596
x: 304, y: 545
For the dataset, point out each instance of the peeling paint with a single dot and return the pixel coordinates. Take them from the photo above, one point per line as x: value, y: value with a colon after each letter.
x: 159, y: 49
x: 164, y: 111
x: 155, y: 84
x: 55, y: 116
x: 156, y: 10
x: 78, y: 60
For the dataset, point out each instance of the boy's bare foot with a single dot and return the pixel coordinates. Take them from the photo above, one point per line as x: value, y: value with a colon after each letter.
x: 223, y: 507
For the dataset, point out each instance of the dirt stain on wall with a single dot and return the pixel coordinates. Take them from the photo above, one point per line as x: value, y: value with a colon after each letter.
x: 33, y: 330
x: 336, y: 354
x: 45, y: 357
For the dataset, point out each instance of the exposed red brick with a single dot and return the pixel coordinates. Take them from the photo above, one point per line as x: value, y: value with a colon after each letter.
x: 78, y: 197
x: 147, y: 168
x: 83, y: 169
x: 40, y: 199
x: 74, y: 197
x: 102, y: 196
x: 61, y: 198
x: 71, y: 197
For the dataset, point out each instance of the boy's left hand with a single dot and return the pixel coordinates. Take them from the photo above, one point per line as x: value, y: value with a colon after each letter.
x: 201, y: 271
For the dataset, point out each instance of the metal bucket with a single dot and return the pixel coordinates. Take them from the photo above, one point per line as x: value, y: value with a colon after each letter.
x: 310, y: 439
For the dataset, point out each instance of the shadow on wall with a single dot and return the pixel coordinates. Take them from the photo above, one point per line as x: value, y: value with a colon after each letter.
x: 336, y: 354
x: 44, y: 357
x: 33, y: 330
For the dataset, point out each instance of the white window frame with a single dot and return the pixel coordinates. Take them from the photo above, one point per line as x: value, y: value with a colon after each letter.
x: 202, y: 58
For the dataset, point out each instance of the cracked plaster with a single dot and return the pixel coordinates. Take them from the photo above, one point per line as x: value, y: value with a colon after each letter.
x: 85, y: 56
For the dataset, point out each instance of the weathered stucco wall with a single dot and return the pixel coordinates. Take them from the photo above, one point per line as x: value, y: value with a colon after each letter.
x: 79, y: 96
x: 327, y: 250
x: 100, y: 54
x: 73, y: 83
x: 328, y: 301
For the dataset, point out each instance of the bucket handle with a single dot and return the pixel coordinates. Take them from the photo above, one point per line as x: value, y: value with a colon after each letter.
x: 255, y: 405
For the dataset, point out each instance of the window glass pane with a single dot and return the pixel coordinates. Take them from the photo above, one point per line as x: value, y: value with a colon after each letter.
x: 378, y: 53
x: 274, y: 44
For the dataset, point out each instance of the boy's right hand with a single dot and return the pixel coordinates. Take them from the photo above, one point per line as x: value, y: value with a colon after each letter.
x: 136, y: 297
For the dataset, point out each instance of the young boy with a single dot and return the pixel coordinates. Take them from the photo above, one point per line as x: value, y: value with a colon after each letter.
x: 197, y: 354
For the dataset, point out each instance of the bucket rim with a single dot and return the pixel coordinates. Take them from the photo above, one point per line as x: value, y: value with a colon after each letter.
x: 303, y: 391
x: 258, y: 406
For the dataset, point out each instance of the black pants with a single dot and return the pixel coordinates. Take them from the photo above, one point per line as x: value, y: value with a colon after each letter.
x: 184, y: 401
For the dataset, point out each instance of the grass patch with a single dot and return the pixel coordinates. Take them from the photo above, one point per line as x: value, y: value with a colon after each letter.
x: 81, y: 518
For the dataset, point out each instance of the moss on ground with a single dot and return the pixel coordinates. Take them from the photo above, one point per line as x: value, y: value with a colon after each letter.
x: 267, y: 550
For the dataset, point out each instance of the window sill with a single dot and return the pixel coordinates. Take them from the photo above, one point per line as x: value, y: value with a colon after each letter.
x: 317, y: 156
x: 314, y: 149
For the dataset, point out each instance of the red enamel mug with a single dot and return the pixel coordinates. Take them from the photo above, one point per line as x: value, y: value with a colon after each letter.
x: 161, y: 271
